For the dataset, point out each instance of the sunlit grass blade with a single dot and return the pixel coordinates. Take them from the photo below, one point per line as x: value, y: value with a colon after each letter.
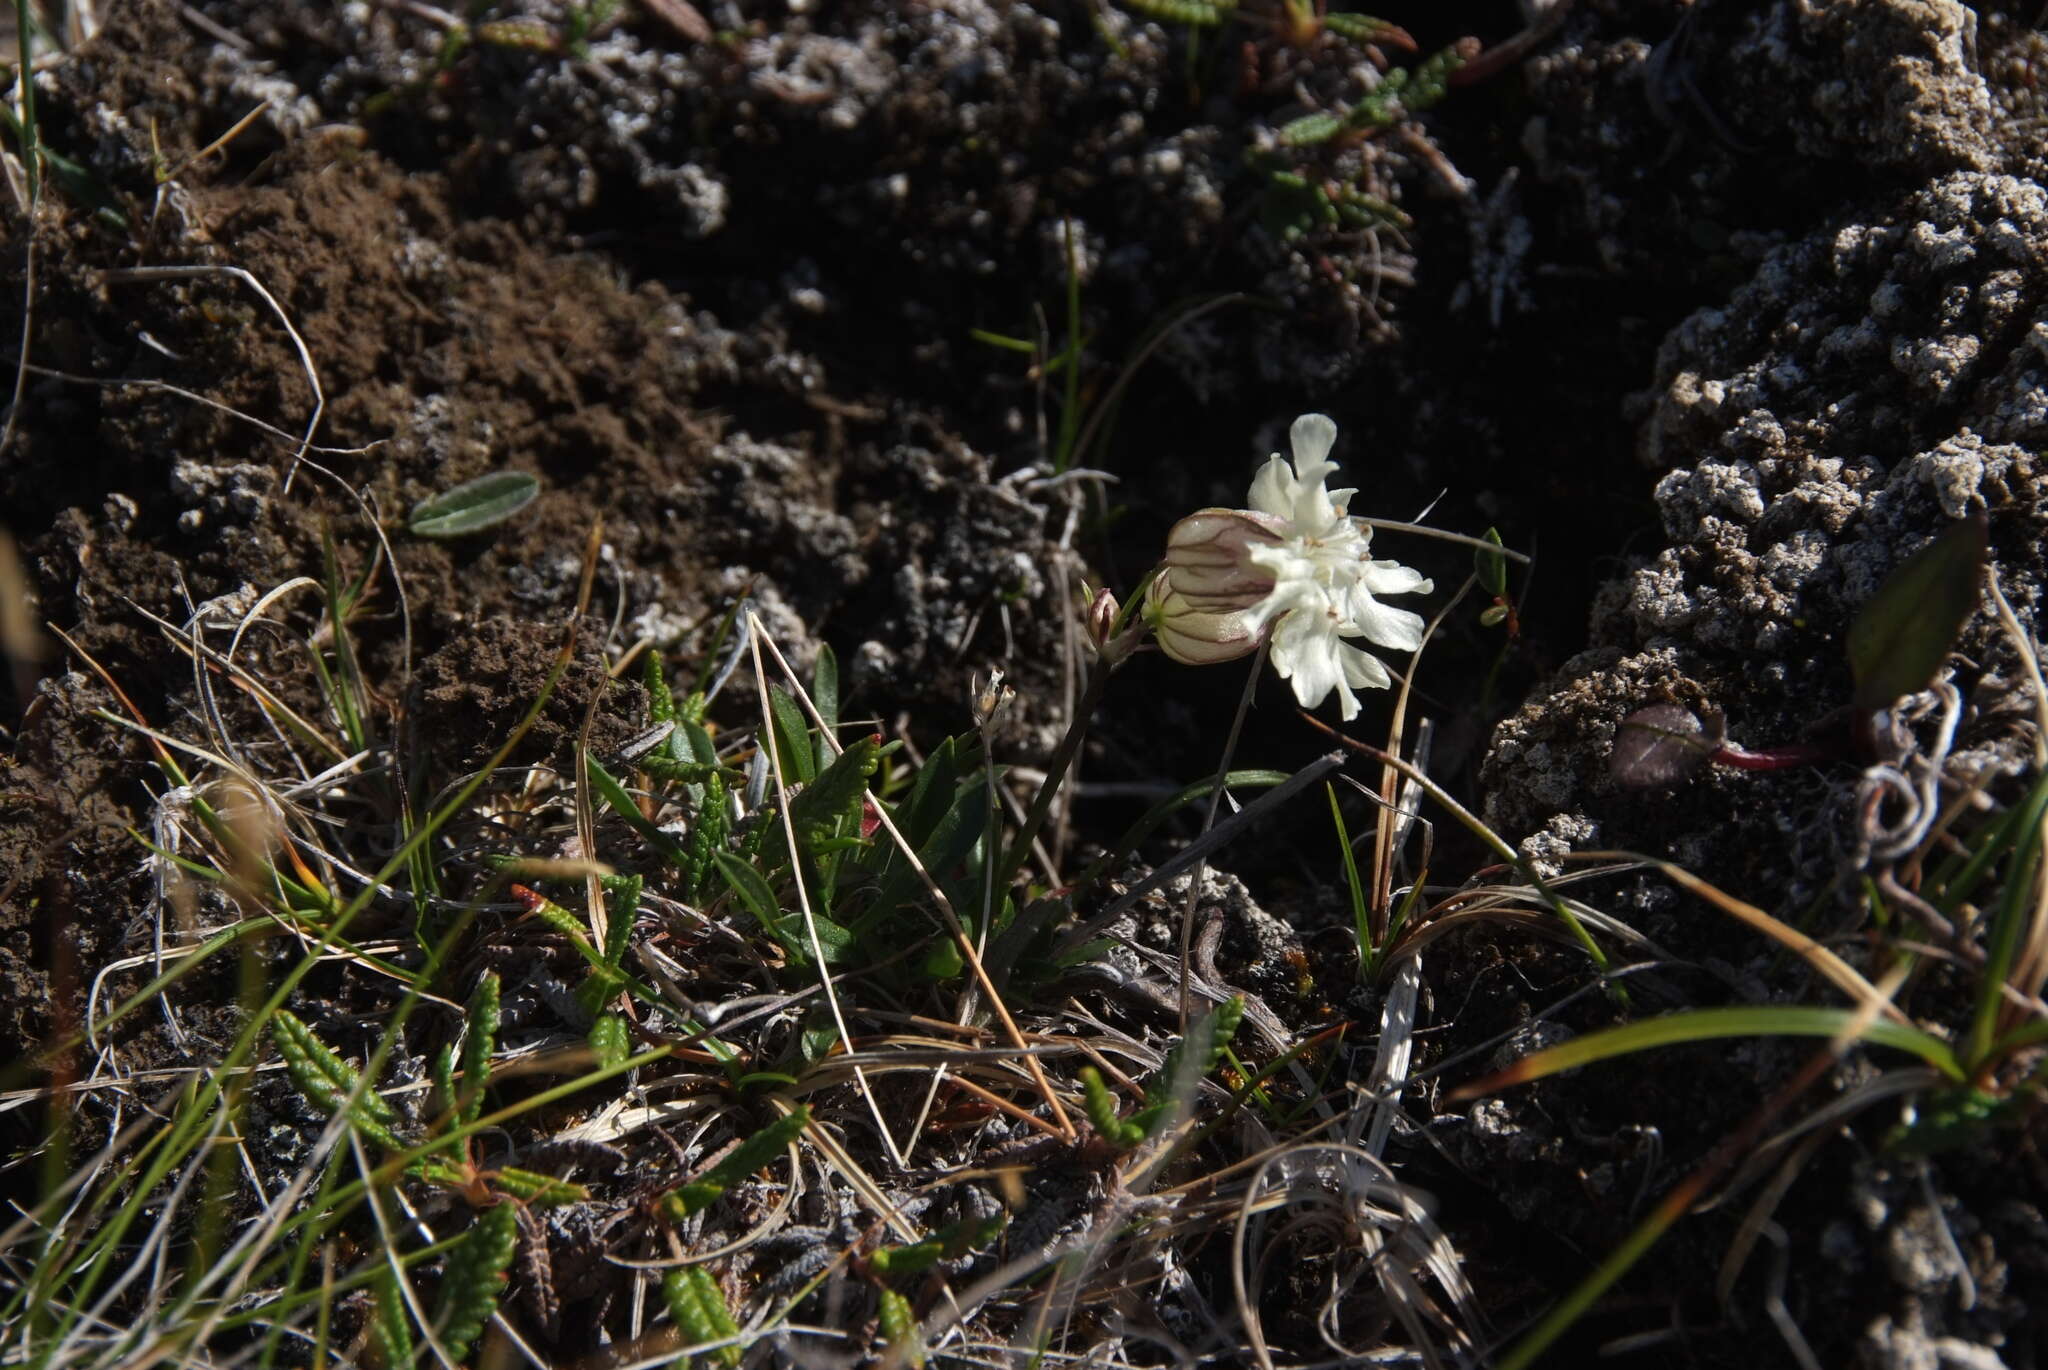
x: 1705, y: 1025
x: 619, y: 800
x: 743, y: 1160
x: 2018, y: 907
x: 1361, y: 917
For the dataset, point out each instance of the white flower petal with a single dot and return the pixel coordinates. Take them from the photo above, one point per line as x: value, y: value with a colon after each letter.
x: 1315, y: 516
x: 1273, y: 489
x: 1392, y: 578
x: 1363, y: 669
x: 1286, y: 561
x: 1383, y: 624
x: 1312, y: 437
x: 1291, y: 595
x: 1305, y: 653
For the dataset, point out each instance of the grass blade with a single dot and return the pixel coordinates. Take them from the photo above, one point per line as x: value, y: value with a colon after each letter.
x: 1709, y: 1024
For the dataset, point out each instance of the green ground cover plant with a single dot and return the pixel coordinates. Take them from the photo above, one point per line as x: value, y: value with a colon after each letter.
x: 893, y: 963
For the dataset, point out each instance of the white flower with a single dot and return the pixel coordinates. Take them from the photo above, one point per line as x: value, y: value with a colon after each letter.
x: 1296, y: 565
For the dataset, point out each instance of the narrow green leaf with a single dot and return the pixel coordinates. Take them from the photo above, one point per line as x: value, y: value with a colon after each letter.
x: 1360, y: 27
x: 1319, y: 127
x: 1710, y: 1024
x: 475, y: 1275
x: 1491, y: 566
x: 473, y: 505
x: 757, y: 1079
x: 390, y: 1323
x: 898, y: 1323
x: 698, y: 1306
x: 1100, y: 1105
x: 2012, y: 925
x: 754, y: 893
x: 441, y: 1099
x: 446, y: 1174
x: 1193, y: 13
x: 538, y: 1190
x: 792, y: 738
x: 831, y: 803
x: 702, y: 749
x: 479, y: 1044
x: 1901, y: 637
x: 1995, y: 843
x: 742, y: 1161
x: 620, y: 801
x: 828, y: 806
x: 661, y: 703
x: 609, y: 979
x: 1958, y: 1117
x: 327, y: 1081
x: 608, y: 1038
x: 1190, y: 1061
x: 763, y: 1147
x: 556, y: 917
x: 28, y: 129
x: 947, y: 1244
x: 947, y: 821
x: 825, y: 686
x: 624, y: 907
x: 707, y: 834
x: 1368, y: 953
x: 1002, y: 340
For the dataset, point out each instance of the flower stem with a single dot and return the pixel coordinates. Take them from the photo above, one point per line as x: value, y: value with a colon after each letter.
x: 1770, y: 759
x: 1055, y: 774
x: 1187, y: 915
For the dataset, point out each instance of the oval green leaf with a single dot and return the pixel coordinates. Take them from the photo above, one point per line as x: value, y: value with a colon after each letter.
x: 1491, y: 566
x: 1901, y: 637
x: 474, y: 505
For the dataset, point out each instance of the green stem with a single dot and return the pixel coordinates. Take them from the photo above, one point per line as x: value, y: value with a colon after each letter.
x: 1187, y: 915
x: 1055, y: 773
x: 31, y: 133
x: 1070, y: 418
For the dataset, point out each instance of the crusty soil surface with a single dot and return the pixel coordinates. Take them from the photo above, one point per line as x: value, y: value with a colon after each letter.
x: 1719, y: 309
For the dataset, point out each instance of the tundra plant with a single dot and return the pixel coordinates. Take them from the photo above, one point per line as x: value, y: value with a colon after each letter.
x: 1294, y: 571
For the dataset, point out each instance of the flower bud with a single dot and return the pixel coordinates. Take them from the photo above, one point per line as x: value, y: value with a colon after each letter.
x: 1100, y: 617
x: 1209, y: 554
x: 1198, y: 631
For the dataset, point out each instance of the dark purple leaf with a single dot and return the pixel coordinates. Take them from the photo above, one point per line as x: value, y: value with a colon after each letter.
x: 1658, y: 746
